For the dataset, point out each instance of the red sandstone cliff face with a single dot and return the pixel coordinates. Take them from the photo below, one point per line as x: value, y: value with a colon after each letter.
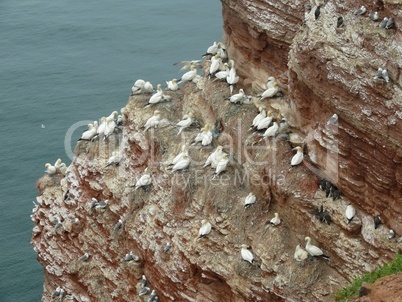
x: 322, y: 71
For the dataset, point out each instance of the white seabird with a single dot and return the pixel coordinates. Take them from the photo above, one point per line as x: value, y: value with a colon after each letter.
x: 156, y: 97
x: 271, y: 131
x: 220, y: 75
x: 188, y: 64
x: 298, y: 157
x: 130, y: 256
x: 112, y: 116
x: 214, y: 157
x: 262, y: 114
x: 110, y: 125
x: 246, y: 254
x: 172, y: 85
x: 148, y: 87
x: 143, y: 291
x: 152, y: 297
x: 207, y: 137
x: 51, y: 170
x: 114, y: 159
x: 179, y: 156
x: 182, y: 164
x: 238, y: 98
x: 373, y: 16
x: 300, y: 254
x: 143, y: 281
x: 189, y: 75
x: 276, y: 220
x: 390, y: 23
x: 84, y: 257
x: 101, y: 204
x: 385, y: 75
x: 101, y: 128
x: 212, y: 50
x: 314, y: 250
x: 270, y: 91
x: 350, y: 213
x: 265, y: 122
x: 250, y: 199
x: 145, y: 180
x: 137, y: 87
x: 391, y: 234
x: 88, y: 134
x: 205, y: 228
x: 56, y: 292
x: 185, y: 122
x: 383, y: 23
x: 215, y: 61
x: 153, y: 121
x: 232, y: 77
x: 333, y: 119
x: 378, y: 73
x: 62, y: 168
x: 222, y: 164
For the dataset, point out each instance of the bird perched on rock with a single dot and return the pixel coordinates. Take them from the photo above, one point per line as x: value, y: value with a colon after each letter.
x: 262, y: 114
x: 270, y: 92
x: 185, y: 122
x: 101, y: 204
x: 391, y: 234
x: 385, y: 75
x: 157, y: 97
x: 250, y: 199
x: 56, y: 292
x: 383, y: 23
x: 339, y: 22
x: 246, y: 254
x: 377, y: 221
x: 144, y: 180
x: 350, y: 213
x: 152, y: 296
x: 143, y: 291
x: 51, y: 170
x: 360, y: 11
x: 182, y: 164
x: 390, y: 23
x: 172, y: 85
x: 130, y: 257
x: 276, y: 220
x: 137, y: 87
x: 189, y: 75
x: 313, y: 250
x: 205, y: 229
x: 317, y: 12
x: 88, y: 134
x: 333, y: 119
x: 114, y: 159
x: 214, y: 158
x: 300, y: 254
x: 298, y: 157
x: 118, y: 225
x: 153, y: 121
x: 84, y: 257
x: 271, y: 131
x: 373, y: 16
x: 222, y: 164
x: 144, y: 281
x: 238, y: 98
x: 265, y: 122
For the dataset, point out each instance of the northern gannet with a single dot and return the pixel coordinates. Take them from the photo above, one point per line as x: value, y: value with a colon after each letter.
x: 276, y: 220
x: 314, y: 250
x: 205, y: 228
x: 350, y: 213
x: 118, y: 225
x: 110, y: 125
x: 300, y: 254
x: 112, y: 116
x: 153, y: 121
x: 207, y: 138
x: 270, y: 91
x: 232, y: 77
x: 182, y: 164
x: 137, y: 87
x: 383, y: 23
x: 130, y: 257
x: 185, y: 122
x: 114, y: 159
x: 298, y: 157
x: 214, y: 157
x: 101, y: 128
x: 222, y: 164
x: 265, y: 122
x: 188, y: 64
x: 385, y: 75
x: 250, y: 199
x: 179, y: 156
x: 238, y: 98
x: 172, y: 85
x: 51, y: 170
x: 262, y: 114
x: 390, y: 23
x: 212, y: 50
x: 84, y: 257
x: 360, y: 11
x: 373, y: 16
x: 221, y: 75
x: 148, y: 87
x: 156, y: 97
x: 333, y: 119
x: 271, y: 131
x: 246, y: 254
x: 189, y: 75
x: 215, y: 61
x: 144, y: 180
x: 88, y: 134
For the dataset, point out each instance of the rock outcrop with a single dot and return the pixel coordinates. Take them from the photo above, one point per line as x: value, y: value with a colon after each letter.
x: 322, y: 70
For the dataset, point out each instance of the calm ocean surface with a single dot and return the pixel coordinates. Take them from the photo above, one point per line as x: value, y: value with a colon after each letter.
x: 63, y: 62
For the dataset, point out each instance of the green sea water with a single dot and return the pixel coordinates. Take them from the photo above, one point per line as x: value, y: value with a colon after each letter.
x: 63, y: 62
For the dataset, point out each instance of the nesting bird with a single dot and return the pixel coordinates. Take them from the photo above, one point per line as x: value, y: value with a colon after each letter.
x: 373, y: 16
x: 189, y: 75
x: 238, y: 98
x: 130, y: 257
x: 350, y: 213
x: 214, y: 158
x: 114, y: 159
x: 222, y: 164
x: 384, y: 22
x: 185, y: 122
x: 246, y: 254
x: 250, y: 199
x: 276, y: 220
x: 377, y: 221
x: 153, y: 121
x: 84, y: 257
x: 313, y: 250
x: 118, y: 225
x: 137, y: 87
x: 144, y: 180
x: 157, y: 96
x: 205, y: 229
x: 262, y: 114
x: 182, y: 164
x: 298, y: 157
x: 389, y: 24
x: 172, y: 85
x: 391, y: 234
x: 300, y: 254
x: 88, y: 134
x: 360, y: 11
x: 51, y: 170
x: 333, y: 119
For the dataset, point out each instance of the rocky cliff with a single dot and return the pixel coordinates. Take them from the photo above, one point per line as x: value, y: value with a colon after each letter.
x: 322, y: 70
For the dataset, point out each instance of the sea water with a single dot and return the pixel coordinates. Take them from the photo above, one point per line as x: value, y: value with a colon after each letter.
x: 64, y: 63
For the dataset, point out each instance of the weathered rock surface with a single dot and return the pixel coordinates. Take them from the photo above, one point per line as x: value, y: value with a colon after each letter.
x: 322, y: 70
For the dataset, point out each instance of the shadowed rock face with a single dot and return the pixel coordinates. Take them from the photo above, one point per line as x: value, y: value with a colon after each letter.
x: 322, y: 70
